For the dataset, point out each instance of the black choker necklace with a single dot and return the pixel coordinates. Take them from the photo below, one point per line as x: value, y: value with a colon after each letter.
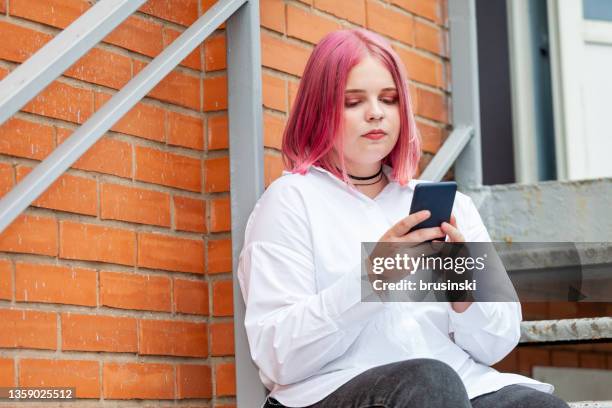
x: 368, y: 177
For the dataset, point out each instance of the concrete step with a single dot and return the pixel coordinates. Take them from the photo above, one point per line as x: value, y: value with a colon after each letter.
x: 566, y: 330
x: 591, y: 404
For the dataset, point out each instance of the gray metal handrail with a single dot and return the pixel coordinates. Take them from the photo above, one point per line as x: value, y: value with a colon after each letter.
x: 43, y: 175
x: 35, y: 74
x: 448, y: 153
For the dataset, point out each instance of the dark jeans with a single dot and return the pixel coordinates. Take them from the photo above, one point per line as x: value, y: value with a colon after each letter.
x: 424, y: 383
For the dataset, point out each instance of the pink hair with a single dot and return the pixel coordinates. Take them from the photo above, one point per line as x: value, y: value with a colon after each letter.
x: 315, y: 122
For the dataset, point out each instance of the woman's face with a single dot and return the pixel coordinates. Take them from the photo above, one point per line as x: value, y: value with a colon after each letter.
x: 371, y: 115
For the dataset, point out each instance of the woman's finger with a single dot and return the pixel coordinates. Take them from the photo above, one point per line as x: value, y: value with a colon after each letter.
x: 402, y: 227
x: 453, y: 233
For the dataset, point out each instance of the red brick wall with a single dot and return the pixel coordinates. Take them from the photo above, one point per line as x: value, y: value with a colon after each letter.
x: 117, y: 280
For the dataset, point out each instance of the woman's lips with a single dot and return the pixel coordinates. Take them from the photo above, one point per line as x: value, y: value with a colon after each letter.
x: 375, y: 135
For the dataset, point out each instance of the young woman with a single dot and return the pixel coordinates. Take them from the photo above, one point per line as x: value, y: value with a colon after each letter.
x: 352, y: 148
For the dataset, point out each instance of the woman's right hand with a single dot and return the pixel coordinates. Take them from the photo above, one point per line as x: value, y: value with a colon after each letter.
x: 398, y: 239
x: 399, y: 232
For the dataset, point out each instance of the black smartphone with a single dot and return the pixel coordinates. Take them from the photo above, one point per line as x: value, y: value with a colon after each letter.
x: 438, y: 198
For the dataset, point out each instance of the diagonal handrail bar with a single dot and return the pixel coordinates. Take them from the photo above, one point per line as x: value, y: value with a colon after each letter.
x: 42, y: 68
x: 44, y: 174
x: 448, y: 153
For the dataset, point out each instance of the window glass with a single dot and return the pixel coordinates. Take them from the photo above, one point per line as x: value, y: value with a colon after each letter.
x: 597, y: 9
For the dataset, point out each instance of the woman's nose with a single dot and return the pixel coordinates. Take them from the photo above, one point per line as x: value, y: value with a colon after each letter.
x: 375, y: 112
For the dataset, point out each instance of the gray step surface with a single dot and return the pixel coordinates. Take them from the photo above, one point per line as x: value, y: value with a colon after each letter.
x: 566, y: 330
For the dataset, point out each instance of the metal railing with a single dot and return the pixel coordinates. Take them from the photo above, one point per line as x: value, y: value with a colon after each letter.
x: 244, y: 114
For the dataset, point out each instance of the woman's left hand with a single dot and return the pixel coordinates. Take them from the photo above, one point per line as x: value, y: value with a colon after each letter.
x: 454, y: 235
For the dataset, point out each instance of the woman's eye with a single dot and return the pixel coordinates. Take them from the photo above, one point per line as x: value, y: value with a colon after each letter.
x: 351, y: 102
x: 389, y: 100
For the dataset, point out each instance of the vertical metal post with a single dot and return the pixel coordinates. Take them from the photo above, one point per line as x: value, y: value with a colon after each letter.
x: 246, y: 170
x: 466, y: 102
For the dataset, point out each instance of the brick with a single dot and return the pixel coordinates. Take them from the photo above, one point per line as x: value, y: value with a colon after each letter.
x: 91, y: 242
x: 593, y: 360
x: 354, y: 11
x: 3, y: 72
x: 63, y: 101
x: 99, y: 333
x: 223, y: 303
x: 220, y: 215
x: 432, y: 105
x: 194, y: 381
x: 215, y: 53
x: 534, y: 310
x: 385, y: 20
x: 7, y: 372
x: 222, y: 339
x: 172, y: 338
x: 183, y: 12
x: 508, y: 363
x: 68, y: 193
x: 421, y: 68
x: 219, y: 256
x: 109, y: 156
x: 103, y: 68
x: 282, y: 55
x: 6, y: 178
x: 138, y: 34
x: 217, y: 175
x: 177, y: 88
x: 130, y: 291
x: 273, y: 127
x: 143, y: 120
x: 22, y: 138
x: 215, y: 93
x: 28, y: 329
x: 82, y: 375
x: 191, y: 296
x: 531, y: 356
x: 194, y: 59
x: 429, y: 9
x: 170, y: 253
x: 272, y: 15
x: 189, y: 214
x: 561, y: 358
x: 274, y: 92
x: 305, y: 25
x: 6, y: 279
x: 55, y: 284
x: 30, y: 234
x: 2, y: 7
x: 431, y: 137
x: 168, y: 169
x: 133, y: 204
x: 273, y: 168
x: 429, y: 37
x: 185, y: 130
x: 137, y: 381
x: 19, y: 43
x: 56, y: 13
x: 217, y: 132
x: 562, y: 310
x: 225, y: 378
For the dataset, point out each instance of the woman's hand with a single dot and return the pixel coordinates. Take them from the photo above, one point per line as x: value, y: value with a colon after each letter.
x: 454, y: 235
x: 398, y: 234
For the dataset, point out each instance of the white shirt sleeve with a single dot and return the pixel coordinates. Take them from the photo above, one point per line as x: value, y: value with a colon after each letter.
x: 488, y: 331
x: 293, y: 328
